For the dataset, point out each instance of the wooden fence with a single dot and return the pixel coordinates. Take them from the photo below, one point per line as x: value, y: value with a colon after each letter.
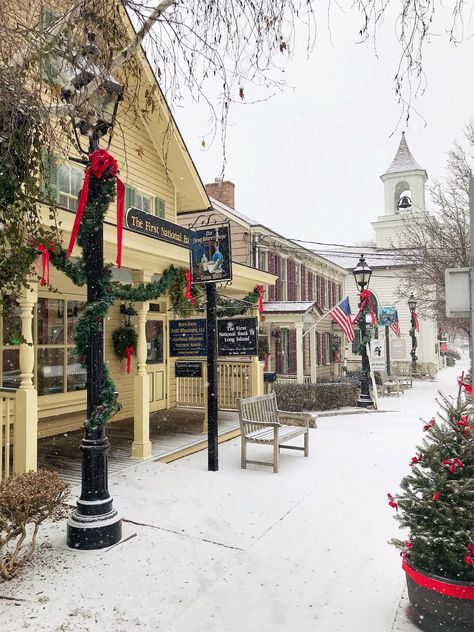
x: 7, y: 419
x: 234, y: 380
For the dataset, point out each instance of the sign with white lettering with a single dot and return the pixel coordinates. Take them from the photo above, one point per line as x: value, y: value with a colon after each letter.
x: 187, y: 338
x: 188, y: 369
x: 237, y: 336
x: 156, y: 227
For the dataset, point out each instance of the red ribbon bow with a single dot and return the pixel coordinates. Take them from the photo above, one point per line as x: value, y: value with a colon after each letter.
x: 260, y: 291
x: 364, y: 297
x: 391, y: 501
x: 45, y: 262
x: 430, y: 424
x: 465, y: 384
x: 453, y: 465
x: 100, y: 162
x: 189, y: 280
x: 417, y: 324
x: 436, y: 496
x: 416, y: 459
x: 128, y: 354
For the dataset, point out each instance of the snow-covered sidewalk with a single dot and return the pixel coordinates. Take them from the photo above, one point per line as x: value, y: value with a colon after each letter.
x: 243, y: 550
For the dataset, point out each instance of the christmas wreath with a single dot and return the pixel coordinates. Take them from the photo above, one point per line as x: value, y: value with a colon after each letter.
x: 124, y: 340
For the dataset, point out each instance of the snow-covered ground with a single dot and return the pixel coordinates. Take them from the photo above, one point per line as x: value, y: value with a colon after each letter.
x: 244, y: 550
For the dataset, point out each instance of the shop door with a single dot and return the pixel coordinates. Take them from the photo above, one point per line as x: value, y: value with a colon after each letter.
x: 155, y: 331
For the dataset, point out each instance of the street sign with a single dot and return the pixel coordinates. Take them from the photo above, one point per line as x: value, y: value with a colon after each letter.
x: 210, y: 254
x: 187, y: 338
x: 398, y: 348
x: 237, y: 336
x: 378, y: 361
x: 456, y: 282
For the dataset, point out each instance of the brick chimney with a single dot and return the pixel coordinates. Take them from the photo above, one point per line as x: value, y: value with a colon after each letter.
x: 222, y: 190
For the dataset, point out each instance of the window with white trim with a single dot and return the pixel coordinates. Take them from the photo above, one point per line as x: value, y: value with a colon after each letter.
x: 146, y: 202
x: 70, y: 179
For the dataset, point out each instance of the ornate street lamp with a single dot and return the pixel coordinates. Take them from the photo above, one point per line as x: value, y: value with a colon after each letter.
x: 95, y: 523
x: 362, y: 274
x: 414, y: 327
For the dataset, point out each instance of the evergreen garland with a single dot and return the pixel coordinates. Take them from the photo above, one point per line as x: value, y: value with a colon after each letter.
x: 229, y: 307
x: 437, y: 500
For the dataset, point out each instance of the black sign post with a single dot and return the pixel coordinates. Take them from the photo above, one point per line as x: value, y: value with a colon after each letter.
x: 212, y: 427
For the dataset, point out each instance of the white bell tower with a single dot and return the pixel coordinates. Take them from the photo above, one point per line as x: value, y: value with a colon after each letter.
x: 404, y: 184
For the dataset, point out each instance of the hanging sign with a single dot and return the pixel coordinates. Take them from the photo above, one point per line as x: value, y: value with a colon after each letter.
x: 188, y: 369
x: 237, y: 336
x: 387, y: 316
x: 210, y: 254
x: 187, y: 338
x: 156, y: 227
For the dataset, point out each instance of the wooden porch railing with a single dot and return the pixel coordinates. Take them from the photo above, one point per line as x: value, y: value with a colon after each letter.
x: 7, y: 420
x: 234, y: 380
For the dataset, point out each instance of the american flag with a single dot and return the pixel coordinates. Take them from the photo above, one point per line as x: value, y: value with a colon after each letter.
x: 395, y: 327
x: 341, y: 313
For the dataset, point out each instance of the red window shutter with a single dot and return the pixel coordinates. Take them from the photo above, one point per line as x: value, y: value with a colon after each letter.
x: 319, y: 291
x: 303, y: 282
x: 309, y: 286
x: 323, y: 349
x: 271, y: 269
x: 278, y: 291
x: 291, y: 281
x: 292, y: 354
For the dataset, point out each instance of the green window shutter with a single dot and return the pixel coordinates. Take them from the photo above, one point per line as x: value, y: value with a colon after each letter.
x: 130, y: 194
x: 50, y: 58
x: 159, y: 207
x: 47, y: 18
x: 49, y: 176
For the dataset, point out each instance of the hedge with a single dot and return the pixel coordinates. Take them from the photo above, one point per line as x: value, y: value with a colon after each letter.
x: 324, y: 396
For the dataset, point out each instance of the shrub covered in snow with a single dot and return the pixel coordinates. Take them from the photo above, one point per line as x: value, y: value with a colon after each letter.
x: 436, y: 504
x: 26, y: 501
x: 298, y: 397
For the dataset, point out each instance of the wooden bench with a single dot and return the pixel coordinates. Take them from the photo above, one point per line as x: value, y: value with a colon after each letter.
x: 261, y: 422
x: 391, y: 384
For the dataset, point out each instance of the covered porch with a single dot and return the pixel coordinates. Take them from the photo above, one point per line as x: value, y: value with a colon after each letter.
x: 302, y: 346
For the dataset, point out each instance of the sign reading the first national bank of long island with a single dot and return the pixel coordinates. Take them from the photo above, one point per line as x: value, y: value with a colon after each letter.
x: 156, y: 227
x: 237, y: 336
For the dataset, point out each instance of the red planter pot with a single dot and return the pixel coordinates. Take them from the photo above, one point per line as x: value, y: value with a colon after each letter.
x: 437, y: 603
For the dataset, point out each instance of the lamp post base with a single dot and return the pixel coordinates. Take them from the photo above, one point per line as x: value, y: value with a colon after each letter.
x: 364, y: 401
x: 95, y: 524
x: 93, y: 532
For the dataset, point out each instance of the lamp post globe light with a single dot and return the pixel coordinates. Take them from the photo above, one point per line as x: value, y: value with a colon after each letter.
x: 95, y: 523
x: 413, y: 323
x: 362, y: 274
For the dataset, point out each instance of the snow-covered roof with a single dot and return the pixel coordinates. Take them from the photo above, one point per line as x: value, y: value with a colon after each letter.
x: 288, y: 306
x: 403, y: 160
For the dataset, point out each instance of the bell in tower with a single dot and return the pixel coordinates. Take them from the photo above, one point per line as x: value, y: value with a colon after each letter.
x: 404, y: 203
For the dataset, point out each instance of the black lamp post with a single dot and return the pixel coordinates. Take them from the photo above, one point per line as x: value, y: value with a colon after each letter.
x: 95, y: 523
x: 414, y: 342
x: 362, y: 274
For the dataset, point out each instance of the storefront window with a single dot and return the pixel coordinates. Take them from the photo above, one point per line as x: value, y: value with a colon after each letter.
x: 10, y: 339
x: 154, y: 341
x: 57, y: 367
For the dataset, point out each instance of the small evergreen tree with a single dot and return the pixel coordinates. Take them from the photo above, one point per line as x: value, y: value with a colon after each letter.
x: 436, y: 504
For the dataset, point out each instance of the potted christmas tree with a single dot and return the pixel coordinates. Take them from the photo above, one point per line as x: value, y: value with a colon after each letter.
x: 436, y: 506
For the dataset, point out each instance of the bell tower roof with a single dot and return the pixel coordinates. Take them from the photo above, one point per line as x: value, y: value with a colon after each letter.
x: 403, y: 161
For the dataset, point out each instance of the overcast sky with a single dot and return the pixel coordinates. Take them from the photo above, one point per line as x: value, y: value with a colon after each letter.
x: 307, y: 162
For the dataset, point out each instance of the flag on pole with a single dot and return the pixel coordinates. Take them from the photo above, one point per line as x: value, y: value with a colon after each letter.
x: 341, y: 313
x: 395, y: 326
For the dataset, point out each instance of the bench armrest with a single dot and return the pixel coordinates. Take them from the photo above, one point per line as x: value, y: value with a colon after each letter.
x: 272, y: 424
x: 296, y: 419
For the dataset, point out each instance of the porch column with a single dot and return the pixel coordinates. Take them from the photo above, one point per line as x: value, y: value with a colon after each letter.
x: 299, y: 353
x: 25, y: 446
x: 141, y: 446
x: 256, y: 373
x: 312, y: 354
